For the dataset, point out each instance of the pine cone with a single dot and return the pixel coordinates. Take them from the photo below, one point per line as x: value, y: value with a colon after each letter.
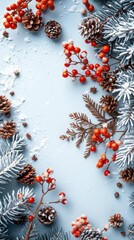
x: 47, y: 215
x: 92, y: 233
x: 116, y: 221
x: 20, y: 219
x: 8, y: 129
x: 91, y: 28
x: 127, y: 175
x: 27, y: 175
x: 108, y: 82
x: 53, y: 29
x: 31, y: 21
x: 5, y: 106
x: 108, y: 103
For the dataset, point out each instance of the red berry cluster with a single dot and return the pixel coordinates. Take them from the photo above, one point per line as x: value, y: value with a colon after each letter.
x: 14, y: 14
x: 42, y: 5
x: 100, y: 135
x: 94, y: 71
x: 46, y: 177
x: 89, y: 6
x: 79, y: 225
x: 16, y: 11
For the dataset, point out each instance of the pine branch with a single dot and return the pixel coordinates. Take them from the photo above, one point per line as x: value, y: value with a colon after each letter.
x: 11, y: 158
x: 115, y: 29
x: 33, y: 234
x: 88, y: 143
x: 10, y: 166
x: 4, y: 233
x: 80, y: 118
x: 131, y: 231
x: 131, y: 203
x: 125, y: 156
x: 13, y: 205
x: 55, y: 235
x: 94, y: 108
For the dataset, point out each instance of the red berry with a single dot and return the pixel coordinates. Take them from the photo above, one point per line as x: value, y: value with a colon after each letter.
x: 105, y: 49
x: 100, y: 139
x: 38, y: 179
x: 107, y: 135
x: 93, y: 148
x: 13, y: 6
x: 24, y: 5
x: 77, y: 50
x: 94, y: 138
x: 91, y: 66
x: 97, y: 65
x: 97, y: 132
x: 7, y: 24
x: 31, y: 200
x: 13, y: 25
x: 9, y: 18
x: 21, y: 13
x: 106, y: 68
x: 101, y: 55
x: 99, y: 79
x: 100, y: 164
x: 70, y: 47
x: 82, y: 79
x: 103, y: 156
x: 87, y: 73
x: 30, y: 218
x: 83, y: 67
x: 91, y: 8
x: 114, y: 146
x: 65, y: 74
x: 74, y: 72
x: 114, y: 157
x: 103, y: 131
x: 106, y: 173
x: 105, y: 60
x: 94, y: 44
x: 98, y: 73
x: 85, y: 2
x: 85, y: 61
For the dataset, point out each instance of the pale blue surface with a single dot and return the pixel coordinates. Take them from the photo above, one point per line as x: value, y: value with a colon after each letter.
x: 48, y: 100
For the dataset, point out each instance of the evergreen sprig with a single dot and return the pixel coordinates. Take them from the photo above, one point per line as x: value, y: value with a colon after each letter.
x: 131, y: 202
x: 11, y: 205
x: 131, y: 231
x: 11, y: 158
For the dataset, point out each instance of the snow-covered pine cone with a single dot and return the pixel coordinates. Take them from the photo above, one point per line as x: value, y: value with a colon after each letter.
x: 108, y: 82
x: 53, y: 29
x: 127, y: 175
x: 8, y: 129
x: 92, y: 233
x: 108, y: 103
x: 47, y: 215
x: 116, y: 221
x: 91, y: 28
x: 32, y: 21
x: 5, y: 106
x: 27, y: 175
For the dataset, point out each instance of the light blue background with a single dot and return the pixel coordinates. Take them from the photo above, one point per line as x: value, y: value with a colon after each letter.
x: 48, y: 99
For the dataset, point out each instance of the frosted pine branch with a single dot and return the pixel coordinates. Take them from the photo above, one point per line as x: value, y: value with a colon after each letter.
x: 12, y: 205
x: 125, y: 156
x: 4, y: 233
x: 126, y: 117
x: 125, y: 87
x: 121, y: 28
x: 11, y: 158
x: 131, y: 203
